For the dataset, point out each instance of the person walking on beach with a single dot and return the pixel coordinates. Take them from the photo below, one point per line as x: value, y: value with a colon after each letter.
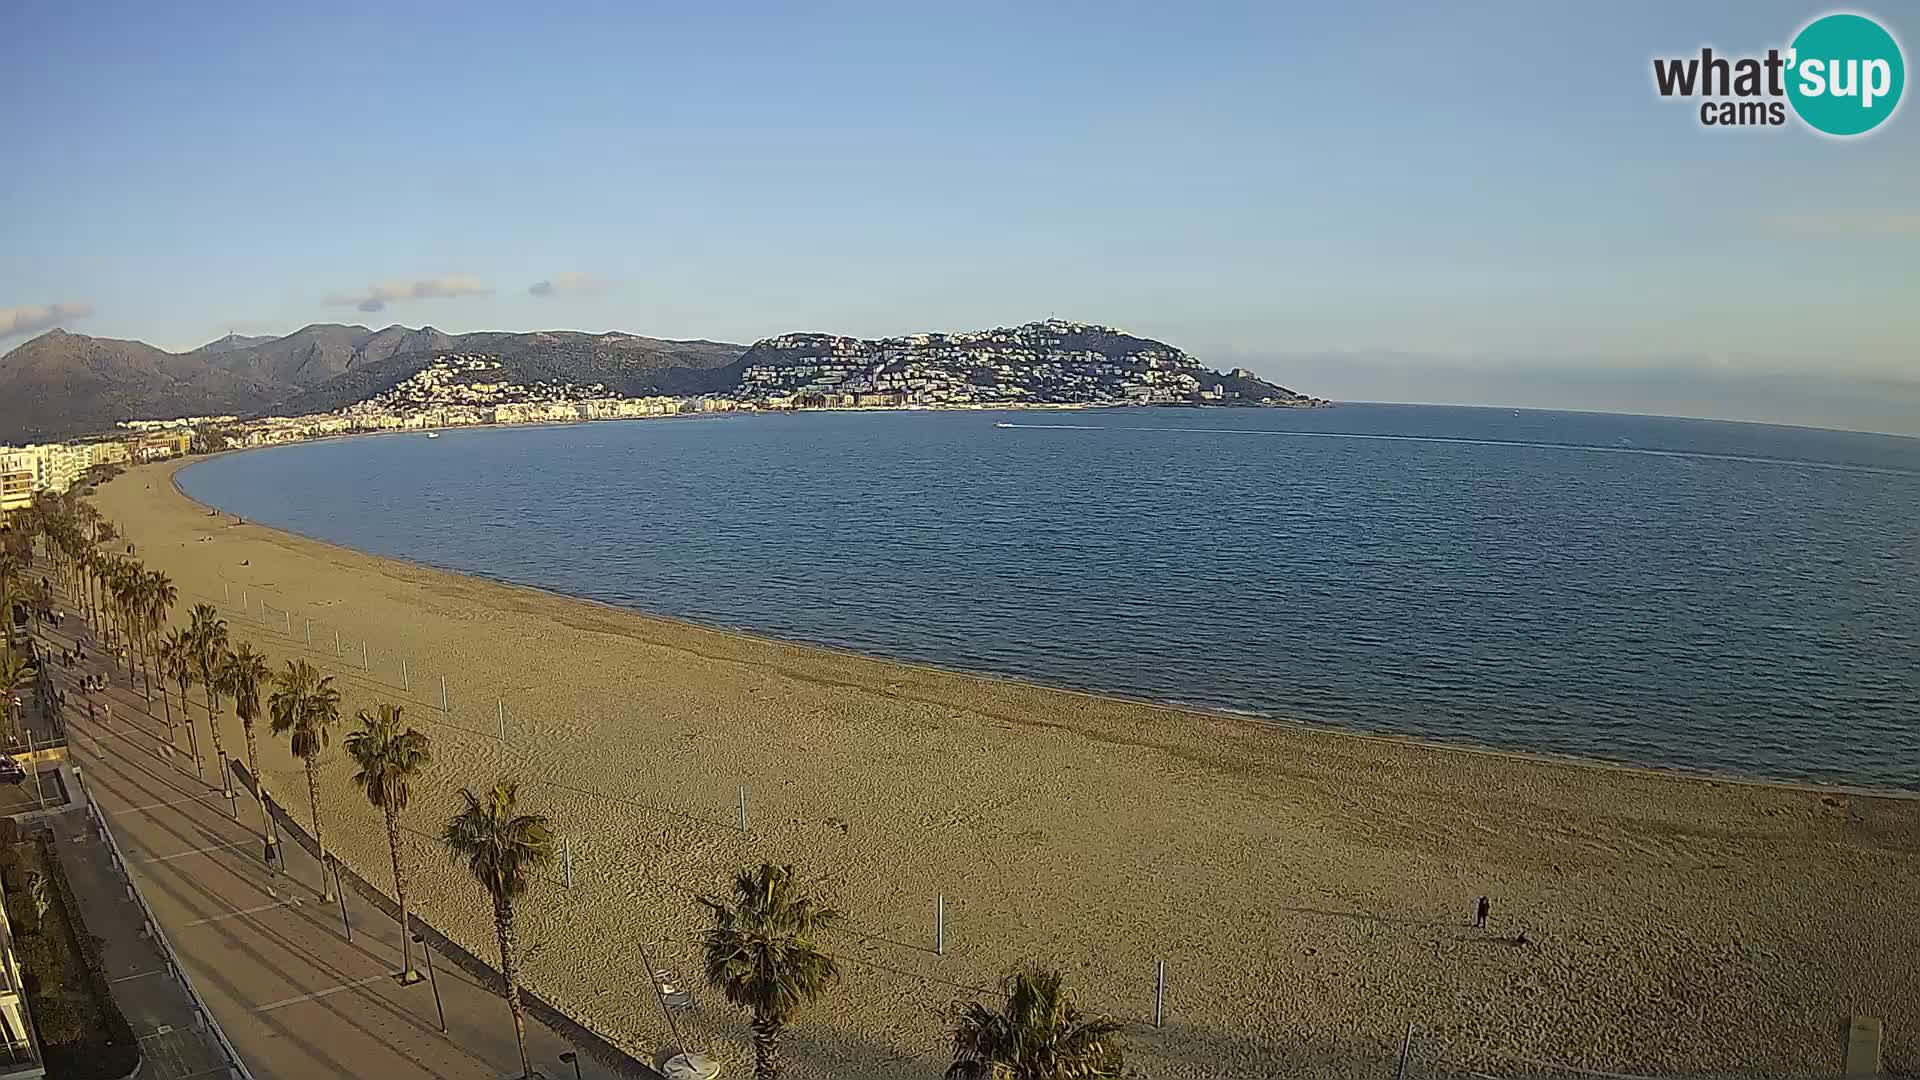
x: 1480, y: 912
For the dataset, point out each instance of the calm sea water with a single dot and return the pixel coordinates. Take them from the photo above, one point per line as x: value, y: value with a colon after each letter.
x: 1725, y: 597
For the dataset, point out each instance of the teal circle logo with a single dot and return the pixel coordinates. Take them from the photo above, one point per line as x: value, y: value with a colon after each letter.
x: 1845, y: 75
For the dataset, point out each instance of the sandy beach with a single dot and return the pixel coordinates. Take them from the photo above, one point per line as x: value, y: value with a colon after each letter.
x: 1311, y: 892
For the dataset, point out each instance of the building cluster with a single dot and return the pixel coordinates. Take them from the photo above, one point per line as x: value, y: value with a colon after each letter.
x: 460, y: 390
x: 56, y: 467
x: 462, y: 380
x: 176, y: 422
x: 1043, y: 363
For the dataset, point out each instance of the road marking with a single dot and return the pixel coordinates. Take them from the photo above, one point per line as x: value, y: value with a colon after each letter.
x: 244, y: 911
x: 137, y: 975
x: 323, y: 993
x: 196, y: 851
x: 169, y: 802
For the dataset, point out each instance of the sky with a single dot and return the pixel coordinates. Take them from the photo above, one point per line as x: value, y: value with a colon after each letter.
x: 1462, y: 203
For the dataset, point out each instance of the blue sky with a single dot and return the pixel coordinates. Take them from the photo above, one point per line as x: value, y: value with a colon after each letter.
x: 1399, y: 201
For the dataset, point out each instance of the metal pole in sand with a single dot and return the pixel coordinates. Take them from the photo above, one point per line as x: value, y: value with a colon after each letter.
x: 502, y: 708
x: 289, y: 617
x: 443, y: 693
x: 245, y: 604
x: 743, y: 808
x: 1406, y: 1052
x: 226, y: 593
x: 566, y: 859
x: 309, y: 633
x: 336, y: 643
x: 364, y: 665
x: 940, y: 924
x: 1159, y: 993
x: 405, y: 683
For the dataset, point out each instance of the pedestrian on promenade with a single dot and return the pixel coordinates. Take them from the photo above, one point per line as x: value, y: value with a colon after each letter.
x: 1480, y: 912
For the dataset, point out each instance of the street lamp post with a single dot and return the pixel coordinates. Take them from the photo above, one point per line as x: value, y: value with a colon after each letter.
x: 342, y: 894
x: 434, y: 982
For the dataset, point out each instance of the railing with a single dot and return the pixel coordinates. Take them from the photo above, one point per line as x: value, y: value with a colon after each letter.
x: 203, y: 1016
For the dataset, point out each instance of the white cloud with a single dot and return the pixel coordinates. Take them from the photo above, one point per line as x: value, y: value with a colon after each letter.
x: 27, y: 320
x: 377, y: 297
x: 569, y: 282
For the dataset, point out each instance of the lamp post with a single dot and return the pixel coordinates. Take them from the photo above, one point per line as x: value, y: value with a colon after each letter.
x: 568, y: 1057
x: 434, y: 982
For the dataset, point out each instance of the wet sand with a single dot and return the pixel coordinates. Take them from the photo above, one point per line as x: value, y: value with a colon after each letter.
x: 1310, y: 891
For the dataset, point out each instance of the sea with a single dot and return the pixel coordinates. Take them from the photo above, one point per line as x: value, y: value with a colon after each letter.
x: 1737, y: 599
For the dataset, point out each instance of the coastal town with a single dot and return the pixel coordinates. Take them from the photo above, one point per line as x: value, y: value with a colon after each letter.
x: 1053, y: 364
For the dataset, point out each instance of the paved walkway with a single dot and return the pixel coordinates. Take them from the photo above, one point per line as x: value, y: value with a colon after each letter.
x: 162, y: 1016
x: 273, y: 961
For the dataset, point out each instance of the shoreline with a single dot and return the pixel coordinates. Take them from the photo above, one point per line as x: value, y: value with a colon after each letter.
x: 1543, y: 757
x: 1308, y: 887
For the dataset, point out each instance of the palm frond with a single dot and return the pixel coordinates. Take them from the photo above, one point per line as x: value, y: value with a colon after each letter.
x: 501, y: 847
x: 1039, y: 1034
x: 763, y: 951
x: 388, y: 757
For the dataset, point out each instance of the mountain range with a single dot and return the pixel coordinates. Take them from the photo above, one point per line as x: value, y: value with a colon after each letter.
x: 60, y: 385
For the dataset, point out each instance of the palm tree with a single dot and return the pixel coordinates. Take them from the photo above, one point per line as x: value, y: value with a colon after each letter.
x: 15, y: 674
x: 123, y: 589
x: 10, y: 594
x: 207, y: 632
x: 159, y: 595
x: 390, y: 759
x: 176, y: 662
x: 240, y: 679
x: 1038, y: 1035
x: 502, y: 849
x: 763, y: 954
x: 103, y: 533
x: 305, y: 707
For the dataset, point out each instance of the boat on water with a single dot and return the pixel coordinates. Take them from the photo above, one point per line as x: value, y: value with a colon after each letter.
x: 433, y: 434
x: 1003, y: 423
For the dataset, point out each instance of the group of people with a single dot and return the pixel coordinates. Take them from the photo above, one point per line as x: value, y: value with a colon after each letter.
x: 94, y: 682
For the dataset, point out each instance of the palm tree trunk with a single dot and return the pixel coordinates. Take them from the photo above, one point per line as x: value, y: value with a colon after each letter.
x: 313, y: 800
x: 259, y: 783
x: 766, y: 1048
x: 193, y: 735
x: 400, y: 894
x: 220, y: 751
x: 510, y: 974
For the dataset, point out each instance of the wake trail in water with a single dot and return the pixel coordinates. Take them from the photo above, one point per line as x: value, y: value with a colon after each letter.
x: 1583, y: 448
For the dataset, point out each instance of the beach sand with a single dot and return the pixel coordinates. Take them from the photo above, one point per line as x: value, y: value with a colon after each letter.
x: 1310, y: 891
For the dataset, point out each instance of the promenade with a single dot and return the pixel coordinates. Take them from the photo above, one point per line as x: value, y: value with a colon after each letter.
x: 303, y: 988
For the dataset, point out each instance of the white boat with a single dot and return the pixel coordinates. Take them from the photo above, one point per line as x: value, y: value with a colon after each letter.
x: 433, y: 434
x: 1003, y: 423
